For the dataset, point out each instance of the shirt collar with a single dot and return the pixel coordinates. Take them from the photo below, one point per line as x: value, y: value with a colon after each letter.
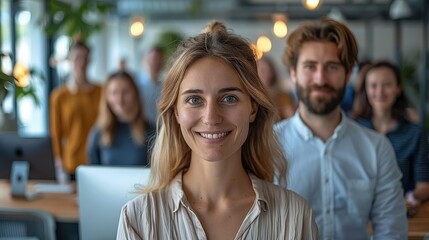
x: 306, y: 132
x: 179, y: 198
x: 177, y: 192
x: 261, y: 195
x: 73, y: 88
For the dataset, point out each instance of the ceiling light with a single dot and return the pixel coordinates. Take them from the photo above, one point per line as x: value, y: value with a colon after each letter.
x: 280, y: 28
x: 399, y: 9
x: 21, y: 74
x: 263, y: 44
x: 137, y: 27
x: 311, y: 4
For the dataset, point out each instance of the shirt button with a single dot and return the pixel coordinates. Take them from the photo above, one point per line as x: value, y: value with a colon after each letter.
x: 326, y: 180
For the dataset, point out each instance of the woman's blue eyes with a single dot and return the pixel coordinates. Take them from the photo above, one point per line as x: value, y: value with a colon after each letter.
x: 197, y: 100
x: 230, y: 99
x: 193, y: 100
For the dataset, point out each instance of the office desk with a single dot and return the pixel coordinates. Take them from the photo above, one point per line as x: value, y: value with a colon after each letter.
x: 418, y: 226
x: 63, y: 206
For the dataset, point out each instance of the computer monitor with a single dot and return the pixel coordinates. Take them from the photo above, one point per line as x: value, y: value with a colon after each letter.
x: 37, y: 151
x: 102, y: 191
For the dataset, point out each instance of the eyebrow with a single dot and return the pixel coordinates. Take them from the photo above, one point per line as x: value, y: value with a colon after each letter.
x: 222, y: 90
x: 326, y: 63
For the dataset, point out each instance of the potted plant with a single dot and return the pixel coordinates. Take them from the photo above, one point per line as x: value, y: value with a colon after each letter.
x: 22, y: 81
x: 74, y: 20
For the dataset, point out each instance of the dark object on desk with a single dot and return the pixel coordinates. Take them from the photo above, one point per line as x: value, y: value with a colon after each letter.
x: 37, y: 151
x: 26, y: 223
x: 19, y: 180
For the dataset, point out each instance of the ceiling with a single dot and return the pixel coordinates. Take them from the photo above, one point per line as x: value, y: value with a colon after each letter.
x: 256, y: 9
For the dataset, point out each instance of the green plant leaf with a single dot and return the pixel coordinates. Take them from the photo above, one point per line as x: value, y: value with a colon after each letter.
x: 5, y: 78
x: 55, y: 6
x: 73, y: 23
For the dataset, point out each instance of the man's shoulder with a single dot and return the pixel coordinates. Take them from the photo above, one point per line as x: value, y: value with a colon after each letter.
x: 363, y: 134
x: 355, y: 128
x: 60, y: 92
x: 284, y: 124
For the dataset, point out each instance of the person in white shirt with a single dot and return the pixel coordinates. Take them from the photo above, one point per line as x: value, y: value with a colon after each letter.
x: 346, y: 172
x: 216, y: 154
x: 150, y: 83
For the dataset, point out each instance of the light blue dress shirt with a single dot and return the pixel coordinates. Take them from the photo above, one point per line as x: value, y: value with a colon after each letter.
x: 150, y: 92
x: 349, y: 180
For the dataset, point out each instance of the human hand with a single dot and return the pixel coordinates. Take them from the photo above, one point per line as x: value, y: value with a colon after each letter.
x: 413, y: 204
x: 60, y: 173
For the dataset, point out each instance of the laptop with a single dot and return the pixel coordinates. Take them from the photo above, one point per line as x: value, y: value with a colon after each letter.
x: 102, y: 191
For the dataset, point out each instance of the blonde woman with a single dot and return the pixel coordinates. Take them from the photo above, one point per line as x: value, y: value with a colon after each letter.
x: 216, y: 155
x: 121, y: 136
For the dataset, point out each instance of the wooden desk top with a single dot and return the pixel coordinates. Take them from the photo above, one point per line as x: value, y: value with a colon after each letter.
x: 418, y: 225
x: 63, y: 206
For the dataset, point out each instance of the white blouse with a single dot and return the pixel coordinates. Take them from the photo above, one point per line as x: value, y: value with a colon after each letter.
x: 277, y: 213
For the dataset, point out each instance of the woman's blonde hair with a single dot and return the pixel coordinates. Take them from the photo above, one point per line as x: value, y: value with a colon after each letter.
x: 107, y: 120
x: 261, y: 154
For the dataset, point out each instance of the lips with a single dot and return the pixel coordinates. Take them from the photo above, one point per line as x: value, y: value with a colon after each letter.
x: 214, y: 135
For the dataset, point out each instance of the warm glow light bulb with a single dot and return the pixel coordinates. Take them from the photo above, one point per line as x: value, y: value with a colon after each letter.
x: 137, y: 28
x: 311, y: 4
x: 21, y: 74
x: 263, y: 44
x: 280, y: 28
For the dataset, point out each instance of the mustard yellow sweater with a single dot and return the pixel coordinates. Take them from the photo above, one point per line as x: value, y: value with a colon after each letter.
x: 72, y: 115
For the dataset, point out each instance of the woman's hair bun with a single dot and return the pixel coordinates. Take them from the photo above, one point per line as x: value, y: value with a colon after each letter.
x: 214, y: 26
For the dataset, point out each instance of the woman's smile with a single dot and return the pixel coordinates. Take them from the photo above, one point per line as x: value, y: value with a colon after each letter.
x: 214, y: 135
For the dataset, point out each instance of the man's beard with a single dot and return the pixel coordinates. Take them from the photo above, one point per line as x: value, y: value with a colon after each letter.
x: 320, y: 105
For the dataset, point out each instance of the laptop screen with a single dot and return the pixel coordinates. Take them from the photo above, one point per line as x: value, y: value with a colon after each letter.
x: 102, y: 191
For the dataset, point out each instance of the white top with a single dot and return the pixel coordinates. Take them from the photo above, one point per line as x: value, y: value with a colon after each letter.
x: 150, y: 92
x: 276, y: 214
x: 348, y: 180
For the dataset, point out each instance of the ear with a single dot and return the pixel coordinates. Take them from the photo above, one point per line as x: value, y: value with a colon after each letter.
x: 292, y: 74
x: 254, y: 112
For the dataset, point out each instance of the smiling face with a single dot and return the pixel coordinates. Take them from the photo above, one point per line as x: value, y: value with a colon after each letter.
x: 214, y: 110
x: 121, y: 98
x: 320, y: 77
x: 382, y: 89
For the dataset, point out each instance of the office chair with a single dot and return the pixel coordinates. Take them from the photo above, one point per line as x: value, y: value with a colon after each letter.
x: 26, y: 224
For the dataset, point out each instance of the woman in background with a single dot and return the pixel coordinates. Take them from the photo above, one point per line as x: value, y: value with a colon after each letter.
x: 382, y: 106
x: 282, y: 100
x: 121, y: 136
x: 216, y: 155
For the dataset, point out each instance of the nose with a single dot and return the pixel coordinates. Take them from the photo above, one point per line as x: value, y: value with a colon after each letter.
x: 211, y: 114
x: 320, y: 75
x: 119, y: 98
x: 377, y: 90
